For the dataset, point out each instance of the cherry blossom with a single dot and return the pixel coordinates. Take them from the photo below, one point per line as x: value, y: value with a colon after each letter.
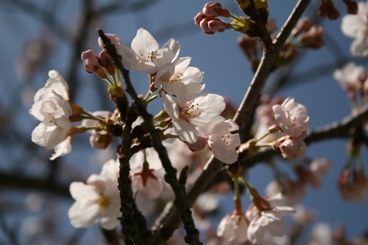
x: 188, y: 116
x: 52, y: 109
x: 356, y: 26
x: 292, y: 191
x: 350, y: 77
x: 145, y: 55
x: 233, y: 227
x: 146, y: 173
x: 223, y: 143
x: 355, y: 189
x: 268, y: 220
x: 291, y: 117
x: 63, y: 148
x: 178, y: 76
x: 96, y: 201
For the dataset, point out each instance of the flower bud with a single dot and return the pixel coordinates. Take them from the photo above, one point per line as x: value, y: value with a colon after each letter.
x: 327, y: 9
x: 303, y: 26
x: 351, y: 6
x: 212, y: 9
x: 100, y: 141
x: 198, y: 18
x: 90, y: 61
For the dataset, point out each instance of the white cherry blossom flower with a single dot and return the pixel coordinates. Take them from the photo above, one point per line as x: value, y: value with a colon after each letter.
x: 147, y: 178
x: 291, y: 117
x: 145, y: 55
x: 268, y: 220
x: 63, y: 148
x: 178, y: 76
x: 350, y: 76
x: 52, y: 109
x: 223, y: 143
x: 190, y: 116
x: 233, y: 227
x: 96, y: 201
x: 54, y: 85
x: 356, y: 26
x: 110, y: 169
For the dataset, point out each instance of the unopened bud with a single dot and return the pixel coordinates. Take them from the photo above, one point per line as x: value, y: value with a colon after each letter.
x: 210, y: 25
x: 90, y: 61
x: 351, y: 6
x: 106, y: 62
x: 212, y: 9
x: 303, y: 26
x: 327, y: 9
x: 313, y: 38
x: 198, y: 18
x: 100, y: 141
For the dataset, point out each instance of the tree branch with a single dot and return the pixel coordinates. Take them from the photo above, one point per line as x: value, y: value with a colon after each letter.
x: 244, y: 112
x: 180, y: 202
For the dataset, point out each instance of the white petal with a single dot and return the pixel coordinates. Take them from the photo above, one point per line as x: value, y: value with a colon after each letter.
x: 83, y: 214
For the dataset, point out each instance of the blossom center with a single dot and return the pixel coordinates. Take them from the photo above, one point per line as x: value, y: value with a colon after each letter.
x: 150, y: 57
x: 102, y: 201
x: 190, y: 111
x: 176, y: 78
x: 52, y: 119
x: 225, y: 138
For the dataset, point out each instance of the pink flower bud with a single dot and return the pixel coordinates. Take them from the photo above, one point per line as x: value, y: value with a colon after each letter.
x: 212, y: 9
x: 204, y: 26
x: 198, y: 18
x: 217, y: 25
x: 90, y: 61
x: 100, y: 141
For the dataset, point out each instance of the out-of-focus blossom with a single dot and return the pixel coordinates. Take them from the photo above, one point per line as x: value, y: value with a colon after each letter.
x: 356, y: 26
x: 96, y: 201
x: 293, y: 192
x: 270, y: 220
x: 321, y: 234
x: 327, y: 9
x: 303, y: 215
x: 353, y: 188
x: 233, y: 227
x: 351, y: 77
x: 145, y: 55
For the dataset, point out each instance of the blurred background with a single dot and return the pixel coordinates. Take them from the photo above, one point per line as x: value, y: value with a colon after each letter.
x: 40, y: 35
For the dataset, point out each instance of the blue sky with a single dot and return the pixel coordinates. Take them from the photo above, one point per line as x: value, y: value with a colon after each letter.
x: 226, y: 72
